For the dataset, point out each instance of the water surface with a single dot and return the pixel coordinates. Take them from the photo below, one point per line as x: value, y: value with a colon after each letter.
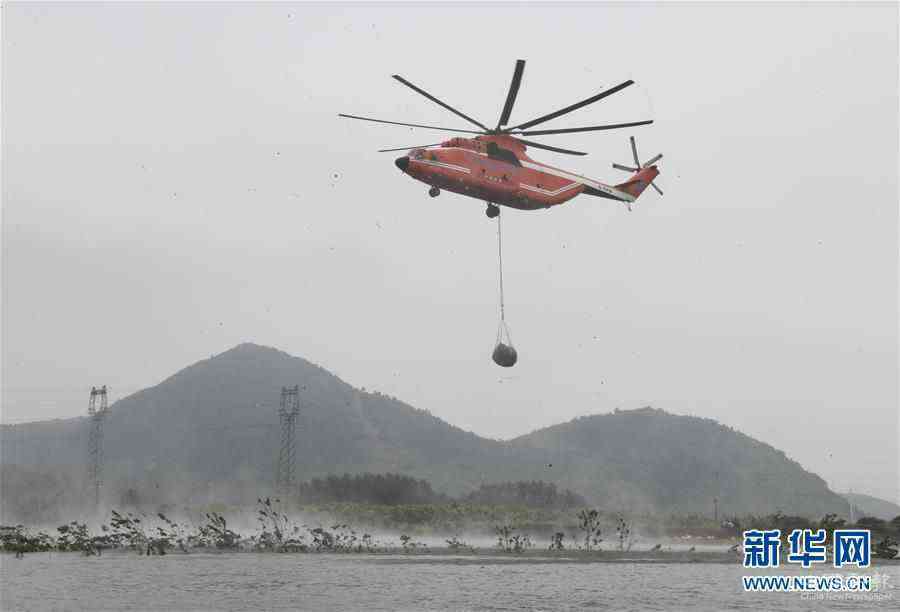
x: 255, y: 581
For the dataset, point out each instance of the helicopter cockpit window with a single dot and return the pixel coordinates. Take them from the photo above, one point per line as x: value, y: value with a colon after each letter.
x: 417, y: 154
x: 495, y: 151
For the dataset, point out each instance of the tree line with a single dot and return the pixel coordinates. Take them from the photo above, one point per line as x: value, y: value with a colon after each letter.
x: 397, y: 489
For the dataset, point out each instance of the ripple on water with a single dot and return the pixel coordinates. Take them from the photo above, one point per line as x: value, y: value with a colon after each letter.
x: 360, y: 582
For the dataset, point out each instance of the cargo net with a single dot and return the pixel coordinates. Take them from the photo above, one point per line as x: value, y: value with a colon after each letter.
x: 504, y: 353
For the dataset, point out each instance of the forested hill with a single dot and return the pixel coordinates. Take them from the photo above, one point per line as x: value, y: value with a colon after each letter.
x: 650, y: 458
x: 211, y: 433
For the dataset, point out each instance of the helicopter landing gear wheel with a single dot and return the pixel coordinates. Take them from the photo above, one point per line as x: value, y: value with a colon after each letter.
x: 434, y: 192
x: 492, y: 211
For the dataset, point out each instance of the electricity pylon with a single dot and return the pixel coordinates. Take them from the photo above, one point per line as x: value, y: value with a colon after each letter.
x: 287, y: 453
x: 97, y: 411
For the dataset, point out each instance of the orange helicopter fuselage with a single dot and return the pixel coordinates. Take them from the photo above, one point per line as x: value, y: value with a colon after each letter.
x: 495, y: 168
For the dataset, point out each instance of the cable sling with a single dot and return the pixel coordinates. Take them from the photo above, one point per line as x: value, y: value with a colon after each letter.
x: 504, y: 354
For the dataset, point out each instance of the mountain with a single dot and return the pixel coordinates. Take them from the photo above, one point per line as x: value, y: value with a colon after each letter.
x: 866, y: 505
x: 211, y: 433
x: 651, y: 459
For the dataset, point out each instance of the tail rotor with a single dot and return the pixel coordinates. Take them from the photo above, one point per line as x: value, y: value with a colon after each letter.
x: 638, y: 166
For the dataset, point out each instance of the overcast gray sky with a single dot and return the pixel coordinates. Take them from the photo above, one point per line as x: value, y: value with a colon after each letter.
x: 176, y: 181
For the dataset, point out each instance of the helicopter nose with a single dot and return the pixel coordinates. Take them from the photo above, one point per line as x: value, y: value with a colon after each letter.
x: 402, y: 163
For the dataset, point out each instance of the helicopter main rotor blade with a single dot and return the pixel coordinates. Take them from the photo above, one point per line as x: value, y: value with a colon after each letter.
x: 513, y: 92
x: 427, y: 127
x: 408, y: 148
x: 573, y: 107
x: 625, y: 168
x: 658, y: 190
x: 634, y: 152
x: 444, y: 104
x: 592, y: 128
x: 538, y: 145
x: 652, y: 161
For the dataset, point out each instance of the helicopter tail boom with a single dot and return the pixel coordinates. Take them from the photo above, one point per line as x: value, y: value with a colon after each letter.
x: 636, y: 185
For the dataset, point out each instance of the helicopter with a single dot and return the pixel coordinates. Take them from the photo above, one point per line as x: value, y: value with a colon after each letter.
x: 493, y: 166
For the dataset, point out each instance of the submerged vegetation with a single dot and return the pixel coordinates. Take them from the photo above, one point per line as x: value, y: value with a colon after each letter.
x: 276, y: 531
x: 509, y: 540
x: 159, y: 535
x: 516, y: 516
x: 514, y: 531
x: 589, y: 524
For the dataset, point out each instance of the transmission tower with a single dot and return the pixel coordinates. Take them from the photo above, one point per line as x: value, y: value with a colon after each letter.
x: 97, y: 411
x: 287, y: 453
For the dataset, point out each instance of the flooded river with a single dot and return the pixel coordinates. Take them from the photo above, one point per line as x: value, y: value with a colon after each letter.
x: 483, y: 581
